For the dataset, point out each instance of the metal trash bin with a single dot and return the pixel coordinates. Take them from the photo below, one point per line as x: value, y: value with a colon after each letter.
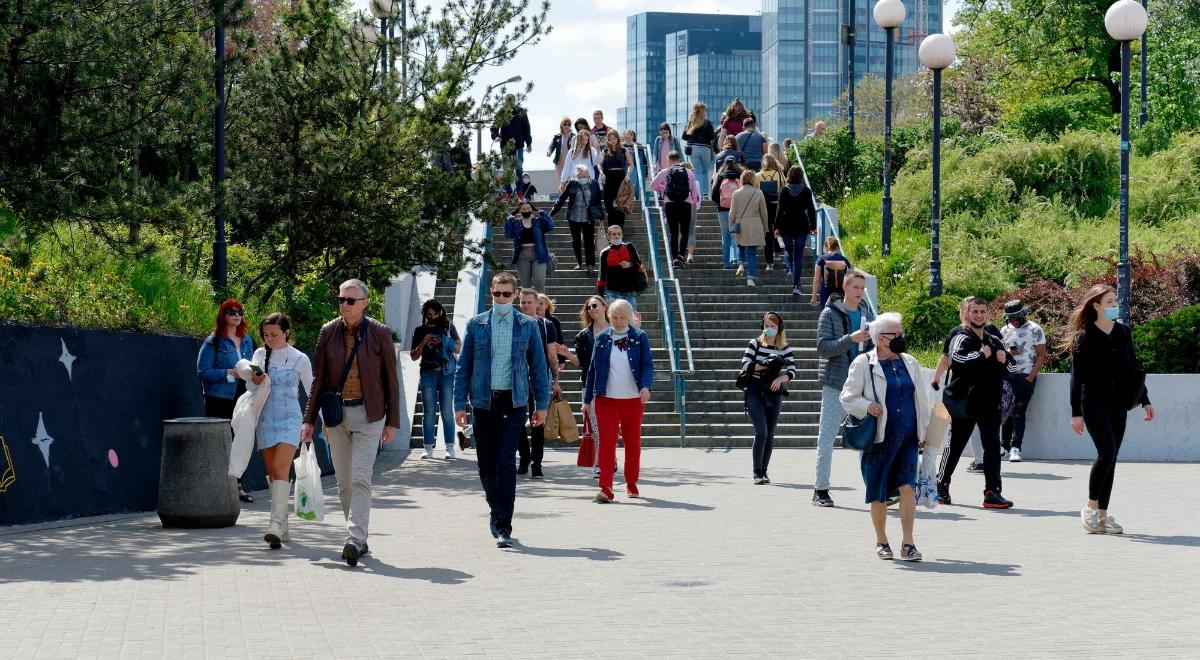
x: 194, y: 486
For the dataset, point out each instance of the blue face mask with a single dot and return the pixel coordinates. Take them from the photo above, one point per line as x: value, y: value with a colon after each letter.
x: 503, y: 308
x: 769, y: 332
x: 1112, y: 313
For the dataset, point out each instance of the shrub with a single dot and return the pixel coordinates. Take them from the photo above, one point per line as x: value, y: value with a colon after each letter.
x: 836, y: 162
x: 928, y: 320
x: 1170, y: 345
x: 1166, y: 186
x: 1047, y: 118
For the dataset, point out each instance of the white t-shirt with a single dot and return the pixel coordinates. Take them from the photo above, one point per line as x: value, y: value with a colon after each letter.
x: 1025, y: 339
x: 621, y: 383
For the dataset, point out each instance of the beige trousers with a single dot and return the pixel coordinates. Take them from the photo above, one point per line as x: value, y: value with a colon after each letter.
x: 354, y: 444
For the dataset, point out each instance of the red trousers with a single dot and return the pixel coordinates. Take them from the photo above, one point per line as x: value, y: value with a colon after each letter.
x: 626, y: 413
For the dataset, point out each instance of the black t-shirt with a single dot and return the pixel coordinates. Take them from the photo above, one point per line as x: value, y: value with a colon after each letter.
x: 430, y: 356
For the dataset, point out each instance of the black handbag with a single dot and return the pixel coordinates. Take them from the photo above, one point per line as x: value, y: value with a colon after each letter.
x: 331, y: 402
x: 746, y: 375
x: 1135, y: 389
x: 860, y: 433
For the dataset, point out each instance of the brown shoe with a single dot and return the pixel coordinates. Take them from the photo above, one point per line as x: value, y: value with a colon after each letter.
x: 604, y: 496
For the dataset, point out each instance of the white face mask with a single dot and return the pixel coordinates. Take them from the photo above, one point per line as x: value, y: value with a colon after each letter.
x: 614, y: 242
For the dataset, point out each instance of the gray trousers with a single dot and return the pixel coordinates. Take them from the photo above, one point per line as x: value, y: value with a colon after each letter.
x: 354, y: 444
x: 531, y: 272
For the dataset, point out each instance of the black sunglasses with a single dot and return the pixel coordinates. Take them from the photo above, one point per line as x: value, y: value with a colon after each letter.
x: 891, y: 335
x: 347, y: 300
x: 594, y: 306
x: 503, y: 294
x: 234, y: 312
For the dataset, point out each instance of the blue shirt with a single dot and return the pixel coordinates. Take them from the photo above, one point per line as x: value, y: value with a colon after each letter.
x: 502, y: 334
x: 901, y: 404
x: 855, y: 326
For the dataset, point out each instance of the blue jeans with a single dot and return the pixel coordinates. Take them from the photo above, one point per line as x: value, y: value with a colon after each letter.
x: 701, y: 160
x: 727, y: 244
x: 437, y: 391
x: 794, y: 245
x: 612, y: 296
x: 750, y: 258
x: 832, y: 414
x: 496, y: 433
x: 763, y: 406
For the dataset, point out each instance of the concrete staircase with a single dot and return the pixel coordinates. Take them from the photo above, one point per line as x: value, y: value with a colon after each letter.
x: 570, y: 288
x: 723, y: 315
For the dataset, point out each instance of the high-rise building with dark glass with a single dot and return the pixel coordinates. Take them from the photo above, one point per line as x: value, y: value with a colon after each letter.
x: 646, y: 62
x: 713, y: 66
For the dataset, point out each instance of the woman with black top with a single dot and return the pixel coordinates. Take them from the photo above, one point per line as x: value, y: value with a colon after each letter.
x: 616, y: 167
x: 1106, y: 384
x: 620, y: 266
x: 560, y: 144
x: 699, y: 137
x: 770, y: 365
x: 594, y: 319
x: 436, y: 344
x: 585, y: 207
x: 795, y: 219
x: 527, y: 227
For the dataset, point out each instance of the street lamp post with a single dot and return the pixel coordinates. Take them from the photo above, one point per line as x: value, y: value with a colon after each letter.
x: 479, y: 126
x: 219, y: 272
x: 1125, y: 21
x: 889, y: 14
x: 1142, y: 56
x: 850, y: 38
x: 383, y: 10
x: 937, y: 52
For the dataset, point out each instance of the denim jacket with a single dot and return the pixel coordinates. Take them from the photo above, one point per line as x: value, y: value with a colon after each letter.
x: 640, y: 363
x: 473, y: 379
x: 542, y: 225
x: 213, y: 363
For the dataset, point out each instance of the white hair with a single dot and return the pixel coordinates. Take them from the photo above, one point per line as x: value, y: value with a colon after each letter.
x: 581, y: 169
x: 350, y: 284
x: 620, y: 305
x: 885, y: 319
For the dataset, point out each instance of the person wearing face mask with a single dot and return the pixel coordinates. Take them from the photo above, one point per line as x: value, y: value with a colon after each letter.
x: 435, y: 343
x: 277, y: 433
x: 768, y: 361
x: 585, y: 207
x: 618, y: 384
x: 525, y: 188
x: 1106, y: 383
x: 883, y: 383
x: 1026, y: 343
x: 979, y: 365
x: 527, y: 227
x: 620, y: 270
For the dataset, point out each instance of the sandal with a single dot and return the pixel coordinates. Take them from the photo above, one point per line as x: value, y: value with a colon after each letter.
x: 884, y: 551
x: 244, y: 496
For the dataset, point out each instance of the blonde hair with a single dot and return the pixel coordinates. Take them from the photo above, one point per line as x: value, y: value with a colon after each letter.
x: 583, y: 141
x: 549, y: 302
x: 775, y: 150
x: 567, y: 121
x: 687, y: 164
x: 780, y: 339
x: 769, y: 164
x: 749, y: 178
x: 699, y: 114
x: 619, y: 305
x: 832, y: 244
x: 586, y: 319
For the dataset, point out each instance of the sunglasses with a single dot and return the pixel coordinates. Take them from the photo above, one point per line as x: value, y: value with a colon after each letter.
x: 594, y: 306
x: 891, y: 335
x: 503, y: 294
x: 346, y: 300
x: 233, y: 312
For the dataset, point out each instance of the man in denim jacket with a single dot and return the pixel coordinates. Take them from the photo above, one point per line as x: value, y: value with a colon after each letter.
x: 502, y: 358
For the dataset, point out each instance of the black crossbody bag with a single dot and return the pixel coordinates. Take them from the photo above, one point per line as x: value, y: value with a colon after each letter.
x: 331, y: 402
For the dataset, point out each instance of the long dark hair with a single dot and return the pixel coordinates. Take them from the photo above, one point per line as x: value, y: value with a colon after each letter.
x: 440, y: 322
x: 1085, y: 313
x: 285, y: 325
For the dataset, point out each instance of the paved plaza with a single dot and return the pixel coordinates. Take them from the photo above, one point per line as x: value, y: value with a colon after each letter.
x: 706, y: 565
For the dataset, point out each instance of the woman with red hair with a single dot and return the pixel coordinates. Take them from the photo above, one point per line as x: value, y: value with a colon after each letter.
x: 219, y: 353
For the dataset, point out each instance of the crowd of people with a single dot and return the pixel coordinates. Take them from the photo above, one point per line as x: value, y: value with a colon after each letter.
x: 497, y: 379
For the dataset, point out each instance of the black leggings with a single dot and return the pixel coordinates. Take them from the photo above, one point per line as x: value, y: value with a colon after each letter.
x: 612, y: 186
x: 679, y: 222
x: 772, y: 244
x: 583, y: 239
x: 1106, y: 425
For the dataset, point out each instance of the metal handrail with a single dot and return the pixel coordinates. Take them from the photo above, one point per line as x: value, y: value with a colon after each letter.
x: 826, y: 226
x: 481, y: 294
x: 641, y: 155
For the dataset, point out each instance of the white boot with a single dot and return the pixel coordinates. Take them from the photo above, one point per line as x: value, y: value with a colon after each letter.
x: 276, y: 534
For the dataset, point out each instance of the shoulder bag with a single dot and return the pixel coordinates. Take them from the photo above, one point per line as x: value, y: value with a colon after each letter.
x: 330, y: 401
x: 860, y: 433
x: 736, y: 227
x: 746, y: 375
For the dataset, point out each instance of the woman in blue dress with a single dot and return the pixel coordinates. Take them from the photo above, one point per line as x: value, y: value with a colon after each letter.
x: 883, y: 383
x: 278, y: 430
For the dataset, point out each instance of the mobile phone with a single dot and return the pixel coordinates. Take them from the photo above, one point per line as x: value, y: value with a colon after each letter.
x: 256, y: 369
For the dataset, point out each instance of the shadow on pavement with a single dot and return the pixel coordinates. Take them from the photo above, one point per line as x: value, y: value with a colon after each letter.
x: 1188, y: 541
x: 959, y: 567
x: 1033, y: 513
x: 1040, y: 476
x: 594, y: 554
x: 372, y: 566
x: 657, y: 503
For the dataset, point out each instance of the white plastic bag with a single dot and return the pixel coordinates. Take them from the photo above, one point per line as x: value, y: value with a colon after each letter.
x: 926, y: 488
x: 309, y: 498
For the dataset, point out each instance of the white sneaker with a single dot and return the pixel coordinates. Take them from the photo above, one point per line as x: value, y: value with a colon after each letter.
x: 740, y: 271
x: 1014, y: 456
x: 1091, y: 520
x: 450, y: 452
x: 428, y: 452
x: 769, y: 267
x: 1109, y: 526
x: 750, y: 282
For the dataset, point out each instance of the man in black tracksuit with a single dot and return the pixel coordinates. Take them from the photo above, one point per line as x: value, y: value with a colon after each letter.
x: 978, y: 367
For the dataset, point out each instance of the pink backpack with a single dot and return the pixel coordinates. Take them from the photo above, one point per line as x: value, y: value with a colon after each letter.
x: 728, y: 187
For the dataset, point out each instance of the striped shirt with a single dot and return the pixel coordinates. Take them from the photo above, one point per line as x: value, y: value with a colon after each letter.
x: 761, y: 354
x: 502, y: 338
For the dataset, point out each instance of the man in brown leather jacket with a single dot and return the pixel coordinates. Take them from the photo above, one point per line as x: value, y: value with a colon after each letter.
x: 370, y: 404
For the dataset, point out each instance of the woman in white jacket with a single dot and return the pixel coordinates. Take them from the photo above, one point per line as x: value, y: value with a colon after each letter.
x: 581, y: 153
x: 886, y: 383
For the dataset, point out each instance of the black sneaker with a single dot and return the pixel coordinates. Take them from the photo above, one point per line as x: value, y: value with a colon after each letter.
x: 366, y: 550
x: 943, y: 494
x: 523, y: 467
x: 821, y: 498
x: 350, y: 553
x: 504, y: 540
x: 537, y: 472
x: 766, y: 479
x: 976, y: 467
x: 992, y: 499
x: 492, y: 527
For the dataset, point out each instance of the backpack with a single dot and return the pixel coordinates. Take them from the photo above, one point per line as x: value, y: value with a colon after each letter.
x: 728, y: 187
x: 678, y: 187
x: 833, y: 277
x: 770, y: 188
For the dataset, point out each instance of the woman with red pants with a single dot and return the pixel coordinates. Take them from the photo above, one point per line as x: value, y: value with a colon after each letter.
x: 618, y: 384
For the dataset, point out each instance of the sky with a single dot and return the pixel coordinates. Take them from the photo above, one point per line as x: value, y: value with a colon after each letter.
x: 580, y: 66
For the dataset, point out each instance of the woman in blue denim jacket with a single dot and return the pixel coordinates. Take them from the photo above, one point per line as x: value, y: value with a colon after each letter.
x: 527, y: 227
x: 619, y: 379
x: 436, y: 344
x: 219, y: 353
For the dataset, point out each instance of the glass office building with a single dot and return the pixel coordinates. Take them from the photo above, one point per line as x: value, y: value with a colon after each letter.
x: 804, y: 67
x: 713, y: 66
x: 646, y: 62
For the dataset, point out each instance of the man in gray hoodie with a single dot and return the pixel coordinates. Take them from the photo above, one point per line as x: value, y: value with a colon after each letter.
x: 841, y: 336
